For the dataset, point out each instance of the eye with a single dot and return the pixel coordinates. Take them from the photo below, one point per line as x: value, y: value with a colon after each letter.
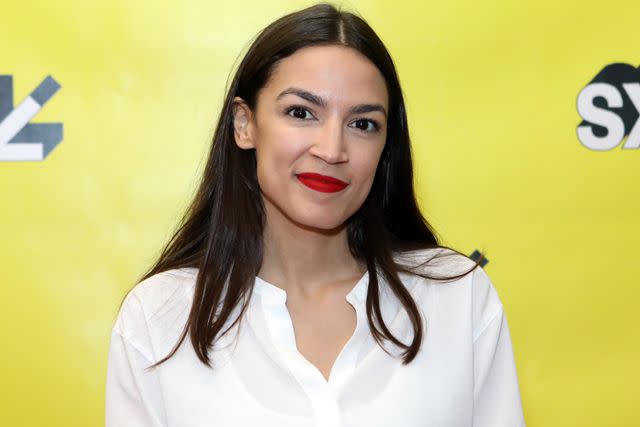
x: 366, y: 125
x: 299, y: 112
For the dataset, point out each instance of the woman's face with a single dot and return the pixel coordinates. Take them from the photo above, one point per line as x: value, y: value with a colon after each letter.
x: 318, y: 128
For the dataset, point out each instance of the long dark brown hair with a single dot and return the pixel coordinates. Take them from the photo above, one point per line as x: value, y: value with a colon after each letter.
x: 224, y: 222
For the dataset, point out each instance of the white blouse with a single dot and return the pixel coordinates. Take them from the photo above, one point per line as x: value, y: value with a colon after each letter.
x: 463, y: 375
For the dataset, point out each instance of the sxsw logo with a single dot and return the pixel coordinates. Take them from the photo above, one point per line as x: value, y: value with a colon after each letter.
x: 19, y: 139
x: 609, y: 106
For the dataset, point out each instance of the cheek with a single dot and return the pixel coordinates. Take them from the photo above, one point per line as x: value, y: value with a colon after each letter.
x: 277, y: 150
x: 365, y: 166
x: 367, y: 158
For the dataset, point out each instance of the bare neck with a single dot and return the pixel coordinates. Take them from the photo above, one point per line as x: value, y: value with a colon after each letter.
x: 303, y: 260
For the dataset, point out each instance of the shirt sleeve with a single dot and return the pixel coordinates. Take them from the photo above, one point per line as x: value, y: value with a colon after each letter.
x: 496, y: 393
x: 133, y: 396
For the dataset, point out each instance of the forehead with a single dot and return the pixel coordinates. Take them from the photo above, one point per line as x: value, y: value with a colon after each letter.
x: 337, y: 73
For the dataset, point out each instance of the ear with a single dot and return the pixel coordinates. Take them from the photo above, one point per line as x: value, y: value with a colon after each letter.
x: 243, y: 124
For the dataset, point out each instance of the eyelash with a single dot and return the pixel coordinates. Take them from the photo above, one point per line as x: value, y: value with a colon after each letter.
x: 376, y: 125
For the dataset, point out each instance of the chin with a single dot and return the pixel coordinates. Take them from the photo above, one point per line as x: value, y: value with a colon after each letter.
x: 311, y: 216
x: 324, y: 224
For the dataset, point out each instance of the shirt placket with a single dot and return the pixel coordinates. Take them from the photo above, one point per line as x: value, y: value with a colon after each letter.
x: 322, y: 394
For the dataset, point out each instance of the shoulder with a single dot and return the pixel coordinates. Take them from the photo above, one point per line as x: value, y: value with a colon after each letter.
x: 155, y: 299
x: 472, y: 294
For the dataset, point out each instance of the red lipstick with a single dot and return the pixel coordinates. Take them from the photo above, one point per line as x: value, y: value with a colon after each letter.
x: 322, y: 183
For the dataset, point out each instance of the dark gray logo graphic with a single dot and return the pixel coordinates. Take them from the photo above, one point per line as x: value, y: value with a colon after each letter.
x: 609, y: 106
x: 479, y: 257
x: 19, y: 139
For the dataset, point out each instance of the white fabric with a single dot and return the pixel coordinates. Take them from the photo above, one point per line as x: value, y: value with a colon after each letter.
x: 464, y: 374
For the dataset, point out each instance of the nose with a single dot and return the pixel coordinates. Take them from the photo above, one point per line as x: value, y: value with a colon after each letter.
x: 330, y: 145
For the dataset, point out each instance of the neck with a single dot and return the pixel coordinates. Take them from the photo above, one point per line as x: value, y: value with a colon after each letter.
x: 305, y: 260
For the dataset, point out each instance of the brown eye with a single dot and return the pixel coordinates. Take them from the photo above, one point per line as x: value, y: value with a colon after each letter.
x: 299, y: 112
x: 366, y: 125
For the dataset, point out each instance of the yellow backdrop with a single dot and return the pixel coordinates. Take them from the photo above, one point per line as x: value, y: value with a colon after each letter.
x: 491, y: 89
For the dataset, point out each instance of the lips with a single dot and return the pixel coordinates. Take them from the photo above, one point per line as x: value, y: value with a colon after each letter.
x: 321, y: 183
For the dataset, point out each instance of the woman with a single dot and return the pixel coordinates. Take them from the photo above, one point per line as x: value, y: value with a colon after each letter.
x: 310, y: 288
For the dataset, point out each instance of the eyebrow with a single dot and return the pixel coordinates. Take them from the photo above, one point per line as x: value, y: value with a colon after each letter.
x: 319, y: 101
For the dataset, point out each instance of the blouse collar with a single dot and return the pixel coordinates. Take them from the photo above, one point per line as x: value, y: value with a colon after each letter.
x: 273, y: 295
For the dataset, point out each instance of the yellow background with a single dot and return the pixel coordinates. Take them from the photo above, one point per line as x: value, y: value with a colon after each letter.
x: 491, y: 89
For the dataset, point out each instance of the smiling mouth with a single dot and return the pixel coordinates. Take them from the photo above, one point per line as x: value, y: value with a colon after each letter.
x: 321, y: 183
